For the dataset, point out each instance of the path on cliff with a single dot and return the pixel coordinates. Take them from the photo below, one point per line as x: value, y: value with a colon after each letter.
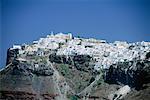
x: 6, y: 68
x: 56, y: 78
x: 86, y: 92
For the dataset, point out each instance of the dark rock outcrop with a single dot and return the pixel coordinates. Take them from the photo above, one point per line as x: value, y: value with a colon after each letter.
x: 80, y: 62
x: 148, y: 55
x: 133, y: 73
x: 11, y: 55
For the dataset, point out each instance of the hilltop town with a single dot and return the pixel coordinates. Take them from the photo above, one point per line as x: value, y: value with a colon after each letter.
x: 63, y: 67
x: 104, y: 53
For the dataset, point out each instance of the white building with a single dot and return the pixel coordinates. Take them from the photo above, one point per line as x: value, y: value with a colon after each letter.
x: 16, y: 47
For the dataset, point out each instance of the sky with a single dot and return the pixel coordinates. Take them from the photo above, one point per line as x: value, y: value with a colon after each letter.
x: 23, y: 21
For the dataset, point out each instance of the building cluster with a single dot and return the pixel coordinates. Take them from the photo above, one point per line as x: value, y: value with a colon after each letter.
x: 104, y: 53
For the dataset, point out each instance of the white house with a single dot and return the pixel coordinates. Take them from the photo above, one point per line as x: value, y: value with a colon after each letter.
x: 16, y: 47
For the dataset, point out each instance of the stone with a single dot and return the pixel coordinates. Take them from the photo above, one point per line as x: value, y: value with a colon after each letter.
x: 120, y: 94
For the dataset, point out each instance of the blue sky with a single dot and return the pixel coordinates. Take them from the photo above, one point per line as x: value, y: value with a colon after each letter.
x: 23, y: 21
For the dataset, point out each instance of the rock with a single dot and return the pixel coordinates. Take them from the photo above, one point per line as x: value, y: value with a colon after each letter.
x: 139, y: 95
x: 148, y: 55
x: 120, y: 94
x: 11, y: 55
x: 80, y: 62
x: 54, y: 58
x: 133, y: 73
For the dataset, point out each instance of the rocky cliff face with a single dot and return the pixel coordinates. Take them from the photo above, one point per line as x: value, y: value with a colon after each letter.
x: 22, y: 80
x: 133, y: 73
x: 62, y: 68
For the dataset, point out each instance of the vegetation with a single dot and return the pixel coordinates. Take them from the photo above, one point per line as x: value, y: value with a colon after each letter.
x: 101, y: 80
x: 73, y: 97
x: 64, y: 69
x: 42, y: 59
